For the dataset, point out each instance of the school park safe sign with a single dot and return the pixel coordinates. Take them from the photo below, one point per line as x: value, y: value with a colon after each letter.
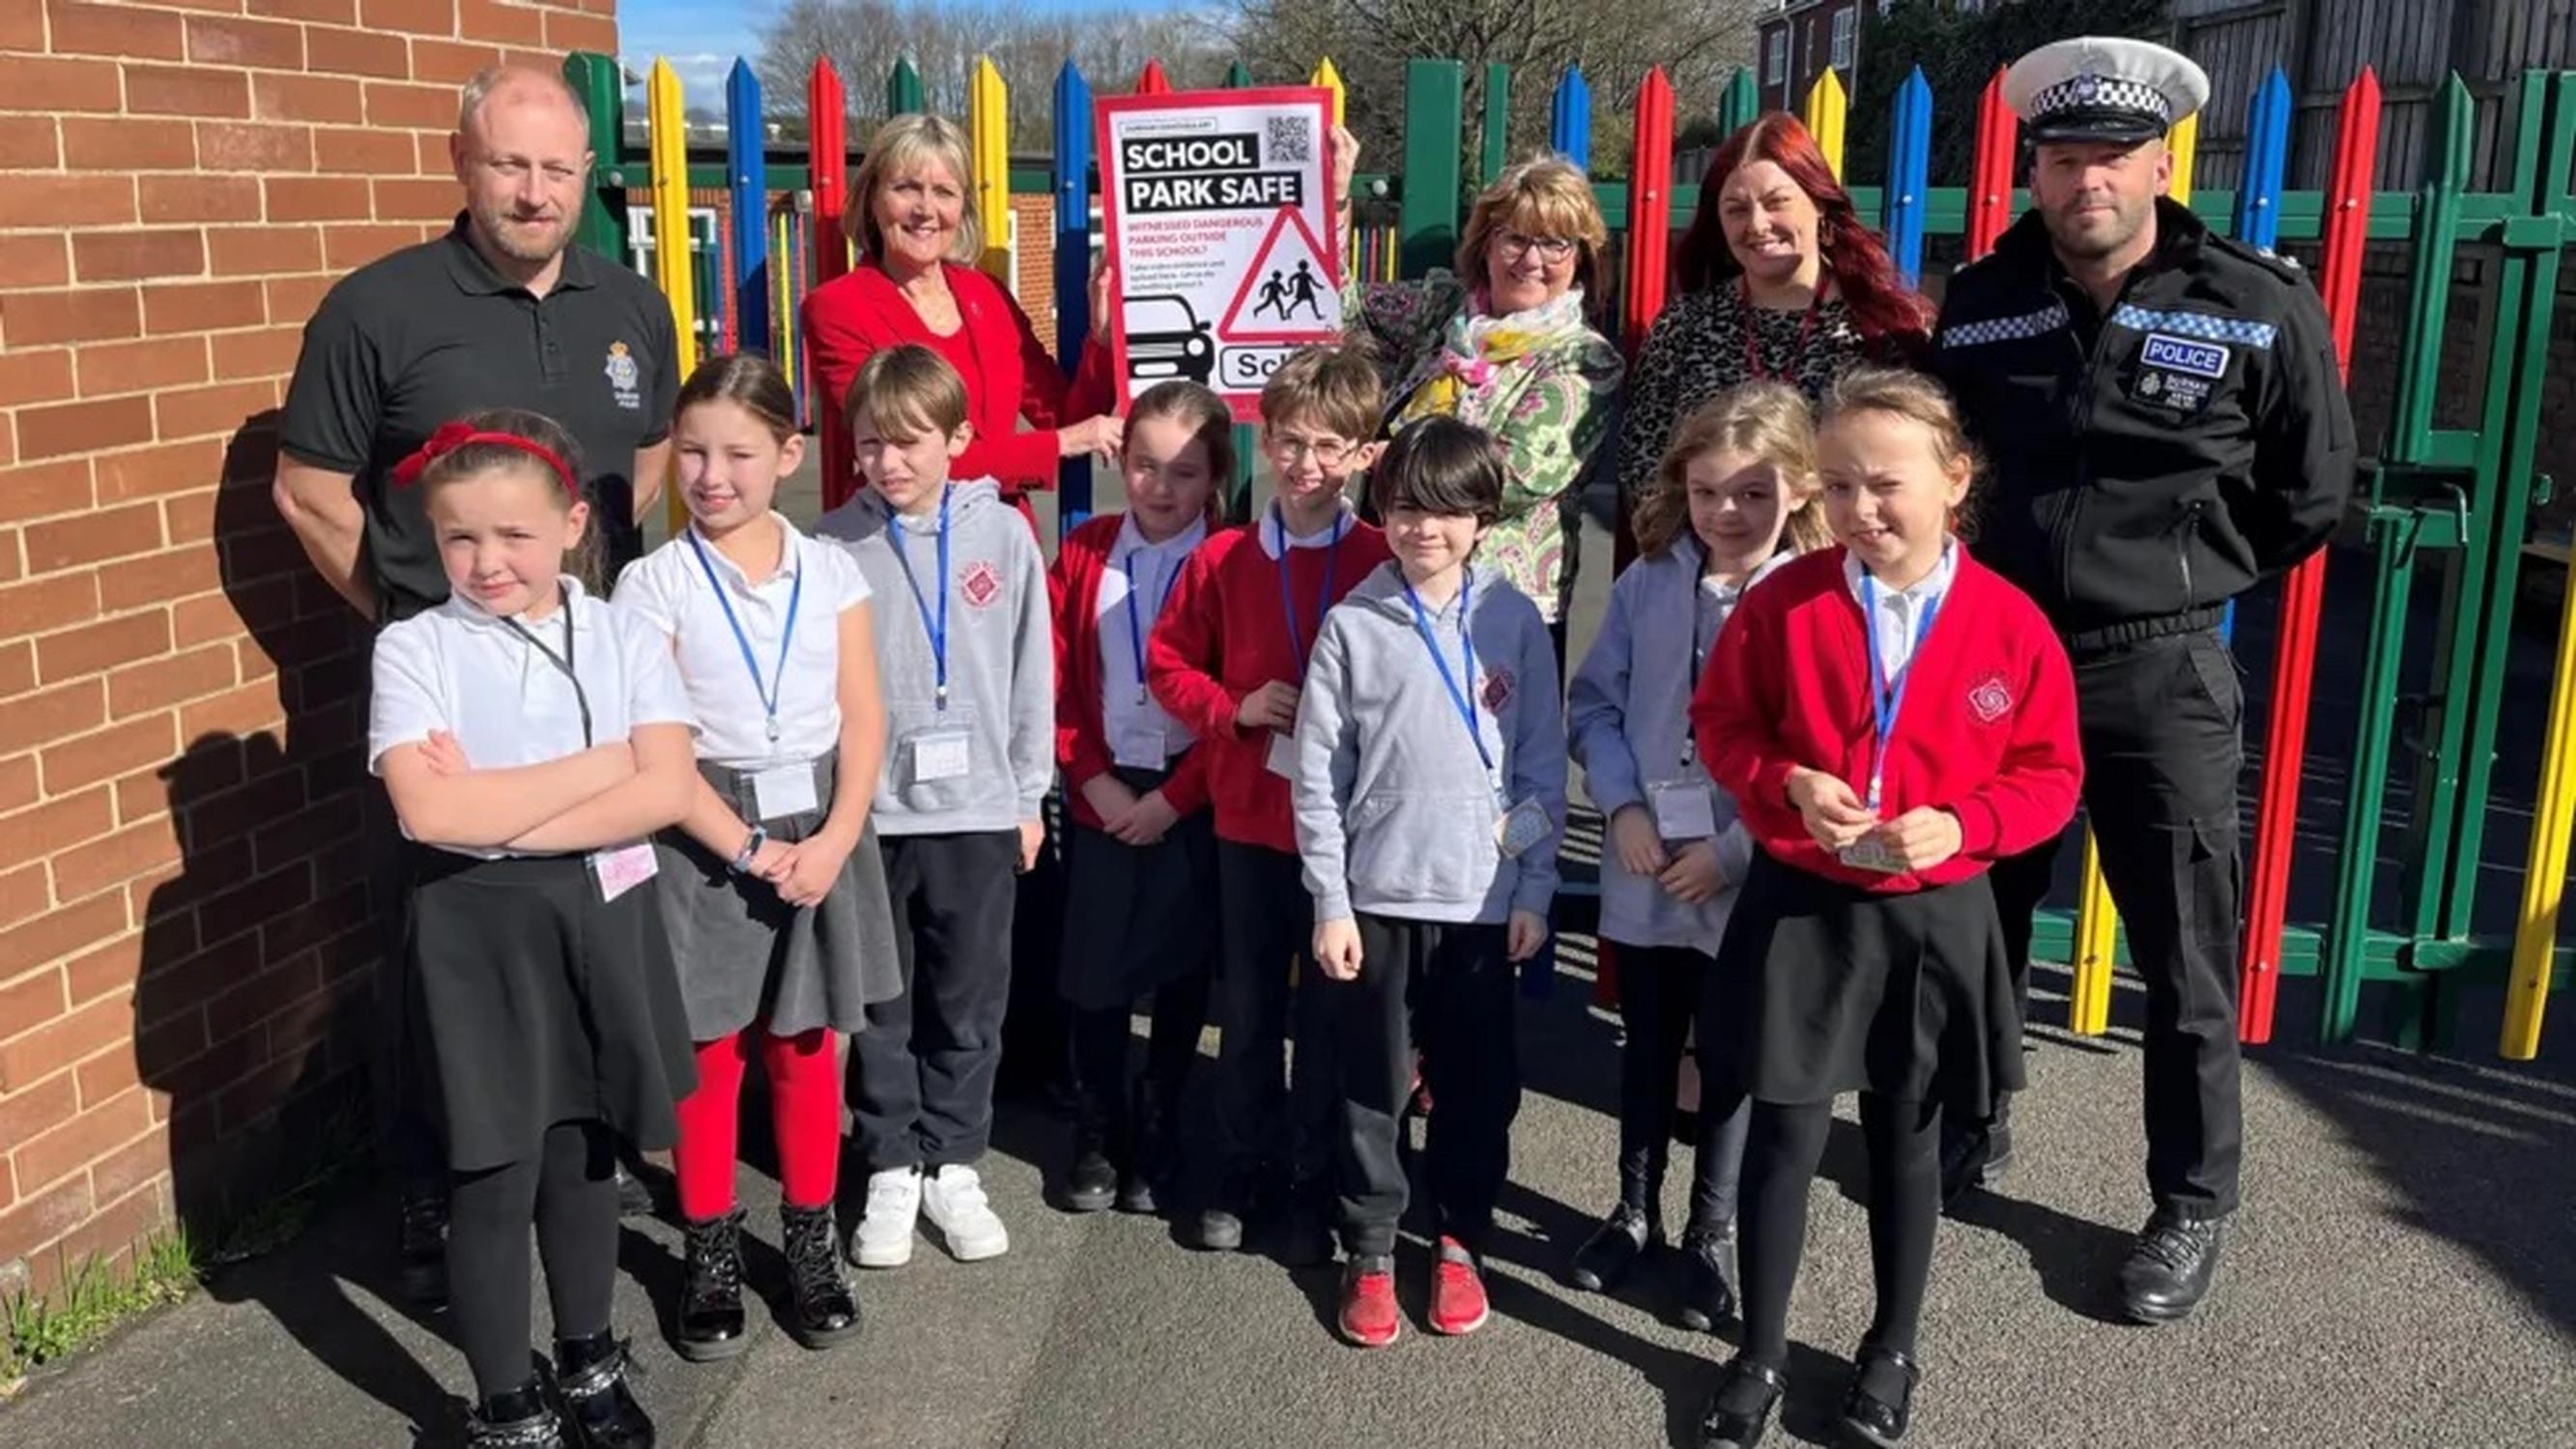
x: 1217, y: 211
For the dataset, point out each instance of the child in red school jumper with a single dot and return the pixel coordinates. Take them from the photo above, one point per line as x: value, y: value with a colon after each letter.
x: 1227, y: 661
x: 533, y: 739
x: 772, y: 888
x: 1140, y: 856
x: 1891, y: 718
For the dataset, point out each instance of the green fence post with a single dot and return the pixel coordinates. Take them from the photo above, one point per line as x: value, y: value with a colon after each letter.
x: 1238, y: 76
x: 903, y: 88
x: 599, y: 83
x: 1740, y: 103
x: 1498, y: 122
x: 1434, y: 102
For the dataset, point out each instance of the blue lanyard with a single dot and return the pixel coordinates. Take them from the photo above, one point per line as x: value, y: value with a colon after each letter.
x: 1887, y: 696
x: 1287, y: 596
x: 937, y: 631
x: 1467, y: 647
x: 1136, y: 630
x: 795, y: 593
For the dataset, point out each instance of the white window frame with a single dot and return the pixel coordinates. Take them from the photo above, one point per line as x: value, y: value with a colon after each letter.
x: 1846, y: 37
x: 1775, y: 65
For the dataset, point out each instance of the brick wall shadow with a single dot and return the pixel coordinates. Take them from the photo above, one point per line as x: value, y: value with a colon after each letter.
x: 256, y: 1008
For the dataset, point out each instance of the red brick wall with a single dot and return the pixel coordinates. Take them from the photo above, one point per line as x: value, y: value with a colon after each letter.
x: 186, y: 934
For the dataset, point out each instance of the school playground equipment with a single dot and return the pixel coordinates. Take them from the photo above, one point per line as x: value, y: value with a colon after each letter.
x: 2449, y: 502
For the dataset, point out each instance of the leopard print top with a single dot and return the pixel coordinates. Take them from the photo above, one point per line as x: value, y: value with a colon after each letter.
x: 1696, y: 351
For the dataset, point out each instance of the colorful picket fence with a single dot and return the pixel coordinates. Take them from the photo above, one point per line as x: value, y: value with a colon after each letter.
x: 2456, y: 496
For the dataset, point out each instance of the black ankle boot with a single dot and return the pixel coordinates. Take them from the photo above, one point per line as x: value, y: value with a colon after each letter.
x: 518, y: 1419
x: 1879, y: 1416
x: 1091, y: 1183
x: 1708, y: 1295
x: 1613, y: 1248
x: 600, y: 1411
x: 823, y: 1313
x: 422, y: 1242
x: 1149, y: 1152
x: 1739, y: 1411
x: 711, y: 1304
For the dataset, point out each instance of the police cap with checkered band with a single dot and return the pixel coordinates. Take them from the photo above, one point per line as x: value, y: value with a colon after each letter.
x: 2103, y: 88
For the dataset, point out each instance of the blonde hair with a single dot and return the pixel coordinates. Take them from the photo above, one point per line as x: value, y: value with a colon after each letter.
x: 898, y: 148
x: 1919, y: 399
x: 1338, y: 387
x: 909, y: 392
x: 1546, y: 195
x: 1769, y: 421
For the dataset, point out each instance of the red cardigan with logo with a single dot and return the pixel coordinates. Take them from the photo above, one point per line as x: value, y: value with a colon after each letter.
x: 1007, y: 370
x: 1986, y: 729
x: 1223, y: 636
x: 1081, y: 737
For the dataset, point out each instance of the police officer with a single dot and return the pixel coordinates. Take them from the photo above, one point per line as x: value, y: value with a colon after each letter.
x: 2164, y: 423
x: 501, y: 309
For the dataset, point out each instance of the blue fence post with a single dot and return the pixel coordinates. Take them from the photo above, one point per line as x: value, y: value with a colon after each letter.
x: 1909, y: 169
x: 1569, y: 118
x: 1073, y: 268
x: 747, y: 164
x: 2267, y: 150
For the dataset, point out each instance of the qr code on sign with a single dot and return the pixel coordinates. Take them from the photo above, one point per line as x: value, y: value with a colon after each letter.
x: 1290, y: 138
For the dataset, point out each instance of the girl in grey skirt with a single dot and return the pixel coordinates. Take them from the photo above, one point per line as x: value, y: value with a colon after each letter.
x: 772, y: 889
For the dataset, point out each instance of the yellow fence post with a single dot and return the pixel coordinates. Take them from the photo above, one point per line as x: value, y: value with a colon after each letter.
x: 2544, y: 875
x: 2184, y: 143
x: 988, y: 131
x: 671, y: 236
x: 1827, y: 107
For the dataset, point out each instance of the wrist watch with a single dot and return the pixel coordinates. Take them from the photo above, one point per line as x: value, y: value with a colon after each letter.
x: 750, y: 848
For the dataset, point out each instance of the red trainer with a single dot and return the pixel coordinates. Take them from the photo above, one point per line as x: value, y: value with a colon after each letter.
x: 1457, y: 1291
x: 1369, y: 1318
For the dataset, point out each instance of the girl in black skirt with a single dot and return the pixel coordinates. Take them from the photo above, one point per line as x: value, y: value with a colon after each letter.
x: 1891, y: 718
x: 1140, y: 859
x: 772, y: 889
x: 535, y: 739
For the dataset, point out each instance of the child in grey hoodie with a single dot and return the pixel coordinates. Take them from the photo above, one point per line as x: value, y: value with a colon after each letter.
x: 1734, y: 498
x: 966, y: 661
x: 1430, y: 796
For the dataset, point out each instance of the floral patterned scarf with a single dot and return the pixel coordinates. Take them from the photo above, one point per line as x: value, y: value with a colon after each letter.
x: 1476, y: 342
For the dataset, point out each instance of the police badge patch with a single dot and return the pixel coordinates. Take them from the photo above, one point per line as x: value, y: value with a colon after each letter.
x: 625, y: 377
x: 2178, y: 372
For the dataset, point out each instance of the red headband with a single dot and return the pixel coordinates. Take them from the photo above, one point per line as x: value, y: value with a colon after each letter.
x: 451, y: 436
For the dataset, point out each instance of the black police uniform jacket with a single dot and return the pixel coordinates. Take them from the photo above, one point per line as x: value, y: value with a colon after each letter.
x: 2149, y: 465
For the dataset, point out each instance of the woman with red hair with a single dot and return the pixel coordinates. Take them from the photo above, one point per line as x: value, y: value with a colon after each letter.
x: 1777, y: 278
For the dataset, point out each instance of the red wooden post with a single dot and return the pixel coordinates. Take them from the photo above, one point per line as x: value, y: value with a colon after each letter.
x: 1650, y: 241
x: 828, y: 151
x: 1990, y: 185
x: 2347, y: 227
x: 1151, y: 81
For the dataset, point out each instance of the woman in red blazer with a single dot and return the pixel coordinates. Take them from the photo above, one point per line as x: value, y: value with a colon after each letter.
x: 915, y: 282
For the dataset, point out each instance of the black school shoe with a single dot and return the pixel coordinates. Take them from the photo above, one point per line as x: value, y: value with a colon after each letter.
x: 1613, y: 1249
x: 822, y: 1312
x: 1740, y: 1409
x: 1881, y: 1401
x: 1147, y: 1172
x: 2170, y: 1267
x: 1238, y: 1200
x: 1708, y: 1296
x: 421, y: 1242
x: 710, y: 1325
x: 518, y: 1419
x: 599, y: 1410
x: 1091, y: 1183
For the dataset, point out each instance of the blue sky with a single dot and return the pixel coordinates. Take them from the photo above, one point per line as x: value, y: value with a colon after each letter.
x: 701, y: 40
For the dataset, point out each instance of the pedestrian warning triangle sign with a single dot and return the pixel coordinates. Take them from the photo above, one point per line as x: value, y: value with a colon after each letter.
x: 1288, y: 294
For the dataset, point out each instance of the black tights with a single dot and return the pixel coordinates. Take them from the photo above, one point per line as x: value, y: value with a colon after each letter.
x: 1100, y: 1046
x: 570, y: 1190
x: 1784, y: 1145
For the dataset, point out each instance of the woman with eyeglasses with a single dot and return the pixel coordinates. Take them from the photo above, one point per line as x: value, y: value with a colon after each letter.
x: 1778, y: 280
x: 1506, y: 343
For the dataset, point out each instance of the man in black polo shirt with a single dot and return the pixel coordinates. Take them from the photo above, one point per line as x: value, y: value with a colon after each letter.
x: 501, y: 310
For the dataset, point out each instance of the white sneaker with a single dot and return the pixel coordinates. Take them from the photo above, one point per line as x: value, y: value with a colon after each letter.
x: 955, y: 1203
x: 884, y: 1236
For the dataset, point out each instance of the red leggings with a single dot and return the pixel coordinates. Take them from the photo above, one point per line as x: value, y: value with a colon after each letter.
x: 804, y: 1112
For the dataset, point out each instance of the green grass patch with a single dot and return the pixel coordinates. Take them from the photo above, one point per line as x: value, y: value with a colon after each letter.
x: 93, y: 1298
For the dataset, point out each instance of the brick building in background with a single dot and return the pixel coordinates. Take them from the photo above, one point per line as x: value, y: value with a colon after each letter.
x: 1796, y: 40
x: 186, y: 938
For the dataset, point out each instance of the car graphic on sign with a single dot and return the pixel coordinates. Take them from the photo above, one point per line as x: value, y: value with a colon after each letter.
x: 1165, y: 339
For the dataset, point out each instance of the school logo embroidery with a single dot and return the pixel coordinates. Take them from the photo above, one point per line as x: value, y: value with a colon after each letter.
x: 980, y: 585
x: 1498, y: 689
x: 1991, y: 700
x: 625, y: 376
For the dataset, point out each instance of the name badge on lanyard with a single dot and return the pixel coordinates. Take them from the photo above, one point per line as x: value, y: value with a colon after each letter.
x: 1282, y: 759
x: 1887, y: 698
